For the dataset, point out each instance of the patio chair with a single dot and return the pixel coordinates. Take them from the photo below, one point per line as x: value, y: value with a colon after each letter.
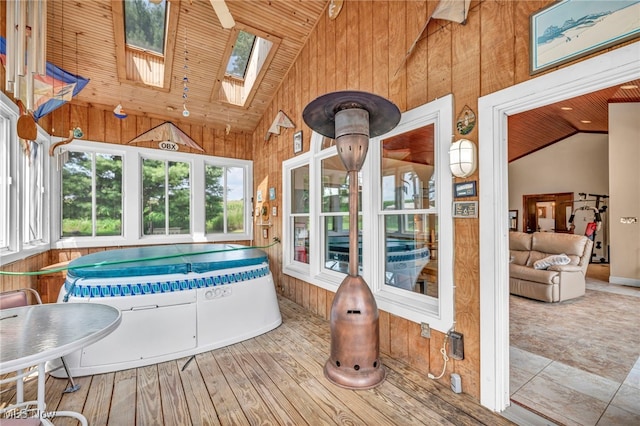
x: 19, y: 297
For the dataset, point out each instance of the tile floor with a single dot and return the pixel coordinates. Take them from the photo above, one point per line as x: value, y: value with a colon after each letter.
x: 570, y: 396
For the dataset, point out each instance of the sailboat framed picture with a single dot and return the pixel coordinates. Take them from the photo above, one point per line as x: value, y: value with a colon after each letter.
x: 570, y: 29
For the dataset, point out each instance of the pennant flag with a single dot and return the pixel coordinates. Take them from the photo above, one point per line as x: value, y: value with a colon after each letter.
x: 50, y: 91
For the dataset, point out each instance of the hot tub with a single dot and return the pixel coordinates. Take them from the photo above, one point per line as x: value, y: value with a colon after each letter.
x: 176, y: 301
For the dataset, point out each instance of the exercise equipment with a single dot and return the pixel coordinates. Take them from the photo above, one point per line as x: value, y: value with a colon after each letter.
x: 595, y: 225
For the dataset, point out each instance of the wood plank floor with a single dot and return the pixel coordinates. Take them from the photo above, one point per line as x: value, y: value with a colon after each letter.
x: 274, y: 379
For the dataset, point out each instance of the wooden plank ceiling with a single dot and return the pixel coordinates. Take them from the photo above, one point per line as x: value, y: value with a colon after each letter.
x: 81, y: 40
x: 535, y: 129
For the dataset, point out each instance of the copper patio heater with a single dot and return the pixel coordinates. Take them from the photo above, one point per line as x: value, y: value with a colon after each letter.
x: 351, y: 118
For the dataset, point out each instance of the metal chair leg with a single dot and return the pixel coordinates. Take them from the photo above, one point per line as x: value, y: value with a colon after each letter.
x: 73, y: 386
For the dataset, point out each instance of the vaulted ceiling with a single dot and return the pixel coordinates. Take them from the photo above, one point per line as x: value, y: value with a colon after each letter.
x: 81, y: 40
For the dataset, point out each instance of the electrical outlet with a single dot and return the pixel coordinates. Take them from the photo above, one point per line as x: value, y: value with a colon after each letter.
x: 425, y: 331
x: 456, y: 383
x: 456, y: 345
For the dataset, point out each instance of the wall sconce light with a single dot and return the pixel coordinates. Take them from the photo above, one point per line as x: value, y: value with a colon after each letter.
x: 462, y: 158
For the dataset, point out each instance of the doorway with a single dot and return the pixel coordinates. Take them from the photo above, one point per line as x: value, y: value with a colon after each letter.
x: 615, y: 67
x: 547, y: 212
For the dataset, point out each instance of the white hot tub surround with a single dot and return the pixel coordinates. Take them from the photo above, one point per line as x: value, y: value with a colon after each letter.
x: 176, y: 301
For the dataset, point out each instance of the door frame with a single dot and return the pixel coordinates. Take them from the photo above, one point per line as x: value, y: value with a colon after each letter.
x: 561, y: 199
x: 602, y: 71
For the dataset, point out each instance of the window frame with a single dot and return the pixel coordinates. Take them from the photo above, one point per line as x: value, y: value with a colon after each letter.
x: 12, y: 169
x: 132, y: 210
x: 127, y: 53
x: 226, y: 85
x: 438, y: 313
x: 417, y: 307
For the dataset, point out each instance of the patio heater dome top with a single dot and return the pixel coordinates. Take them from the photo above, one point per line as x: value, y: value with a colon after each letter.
x: 320, y: 113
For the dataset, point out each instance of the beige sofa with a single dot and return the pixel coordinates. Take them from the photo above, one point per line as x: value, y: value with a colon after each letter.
x: 557, y: 282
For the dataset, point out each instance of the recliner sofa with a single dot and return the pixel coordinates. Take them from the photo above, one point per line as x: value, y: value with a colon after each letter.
x: 554, y: 283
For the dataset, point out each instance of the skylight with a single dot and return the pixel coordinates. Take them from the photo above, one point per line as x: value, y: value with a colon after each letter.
x: 145, y: 24
x: 246, y: 59
x: 242, y: 49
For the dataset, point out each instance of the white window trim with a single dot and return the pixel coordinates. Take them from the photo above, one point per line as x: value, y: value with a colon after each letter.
x: 294, y: 268
x: 132, y: 180
x: 439, y: 313
x: 17, y: 249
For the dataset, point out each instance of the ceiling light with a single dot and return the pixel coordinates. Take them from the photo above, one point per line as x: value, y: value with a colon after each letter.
x: 585, y: 121
x: 629, y: 87
x: 566, y: 108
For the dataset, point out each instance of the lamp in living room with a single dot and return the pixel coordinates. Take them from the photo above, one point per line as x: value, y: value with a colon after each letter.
x: 462, y: 158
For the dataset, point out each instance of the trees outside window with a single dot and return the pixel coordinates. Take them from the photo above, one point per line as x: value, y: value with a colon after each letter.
x: 166, y: 197
x: 91, y: 194
x: 144, y: 24
x: 224, y: 199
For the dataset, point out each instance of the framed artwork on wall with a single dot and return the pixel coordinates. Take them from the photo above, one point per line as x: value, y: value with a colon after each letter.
x: 297, y: 142
x: 570, y: 29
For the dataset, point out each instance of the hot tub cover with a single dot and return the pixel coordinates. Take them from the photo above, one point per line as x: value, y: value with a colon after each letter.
x: 164, y: 259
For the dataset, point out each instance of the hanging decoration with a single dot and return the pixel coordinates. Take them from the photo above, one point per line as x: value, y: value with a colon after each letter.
x: 281, y: 120
x: 38, y: 84
x: 466, y: 121
x: 167, y: 135
x: 447, y: 10
x: 185, y: 79
x: 119, y: 112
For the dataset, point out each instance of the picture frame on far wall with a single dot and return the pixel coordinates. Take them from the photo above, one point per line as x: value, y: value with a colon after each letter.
x: 297, y: 142
x: 570, y: 29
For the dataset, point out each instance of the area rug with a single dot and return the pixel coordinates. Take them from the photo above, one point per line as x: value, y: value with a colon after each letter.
x: 598, y: 332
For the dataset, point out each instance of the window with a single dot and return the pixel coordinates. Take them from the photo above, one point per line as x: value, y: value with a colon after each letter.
x: 145, y: 24
x: 300, y: 213
x: 24, y: 198
x: 91, y: 194
x: 335, y: 214
x: 166, y: 201
x: 249, y: 53
x: 5, y: 179
x: 242, y: 51
x: 224, y: 199
x: 34, y: 192
x: 126, y: 195
x: 408, y: 210
x: 143, y: 50
x: 405, y: 241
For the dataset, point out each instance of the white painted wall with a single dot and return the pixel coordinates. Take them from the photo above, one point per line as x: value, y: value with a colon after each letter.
x: 576, y: 164
x: 624, y: 178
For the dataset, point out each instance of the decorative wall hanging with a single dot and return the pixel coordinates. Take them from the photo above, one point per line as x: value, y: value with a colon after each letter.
x: 281, y: 120
x: 466, y: 121
x: 297, y: 142
x: 335, y: 6
x: 167, y: 132
x: 448, y: 10
x: 568, y: 30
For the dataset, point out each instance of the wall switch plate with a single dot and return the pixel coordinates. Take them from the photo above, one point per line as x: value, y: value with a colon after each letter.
x: 425, y: 331
x: 456, y: 345
x: 456, y: 383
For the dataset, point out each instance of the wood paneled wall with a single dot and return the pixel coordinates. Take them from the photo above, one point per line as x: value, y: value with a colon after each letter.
x: 363, y: 49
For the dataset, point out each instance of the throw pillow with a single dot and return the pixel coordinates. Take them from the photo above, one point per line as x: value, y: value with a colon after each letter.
x: 556, y: 259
